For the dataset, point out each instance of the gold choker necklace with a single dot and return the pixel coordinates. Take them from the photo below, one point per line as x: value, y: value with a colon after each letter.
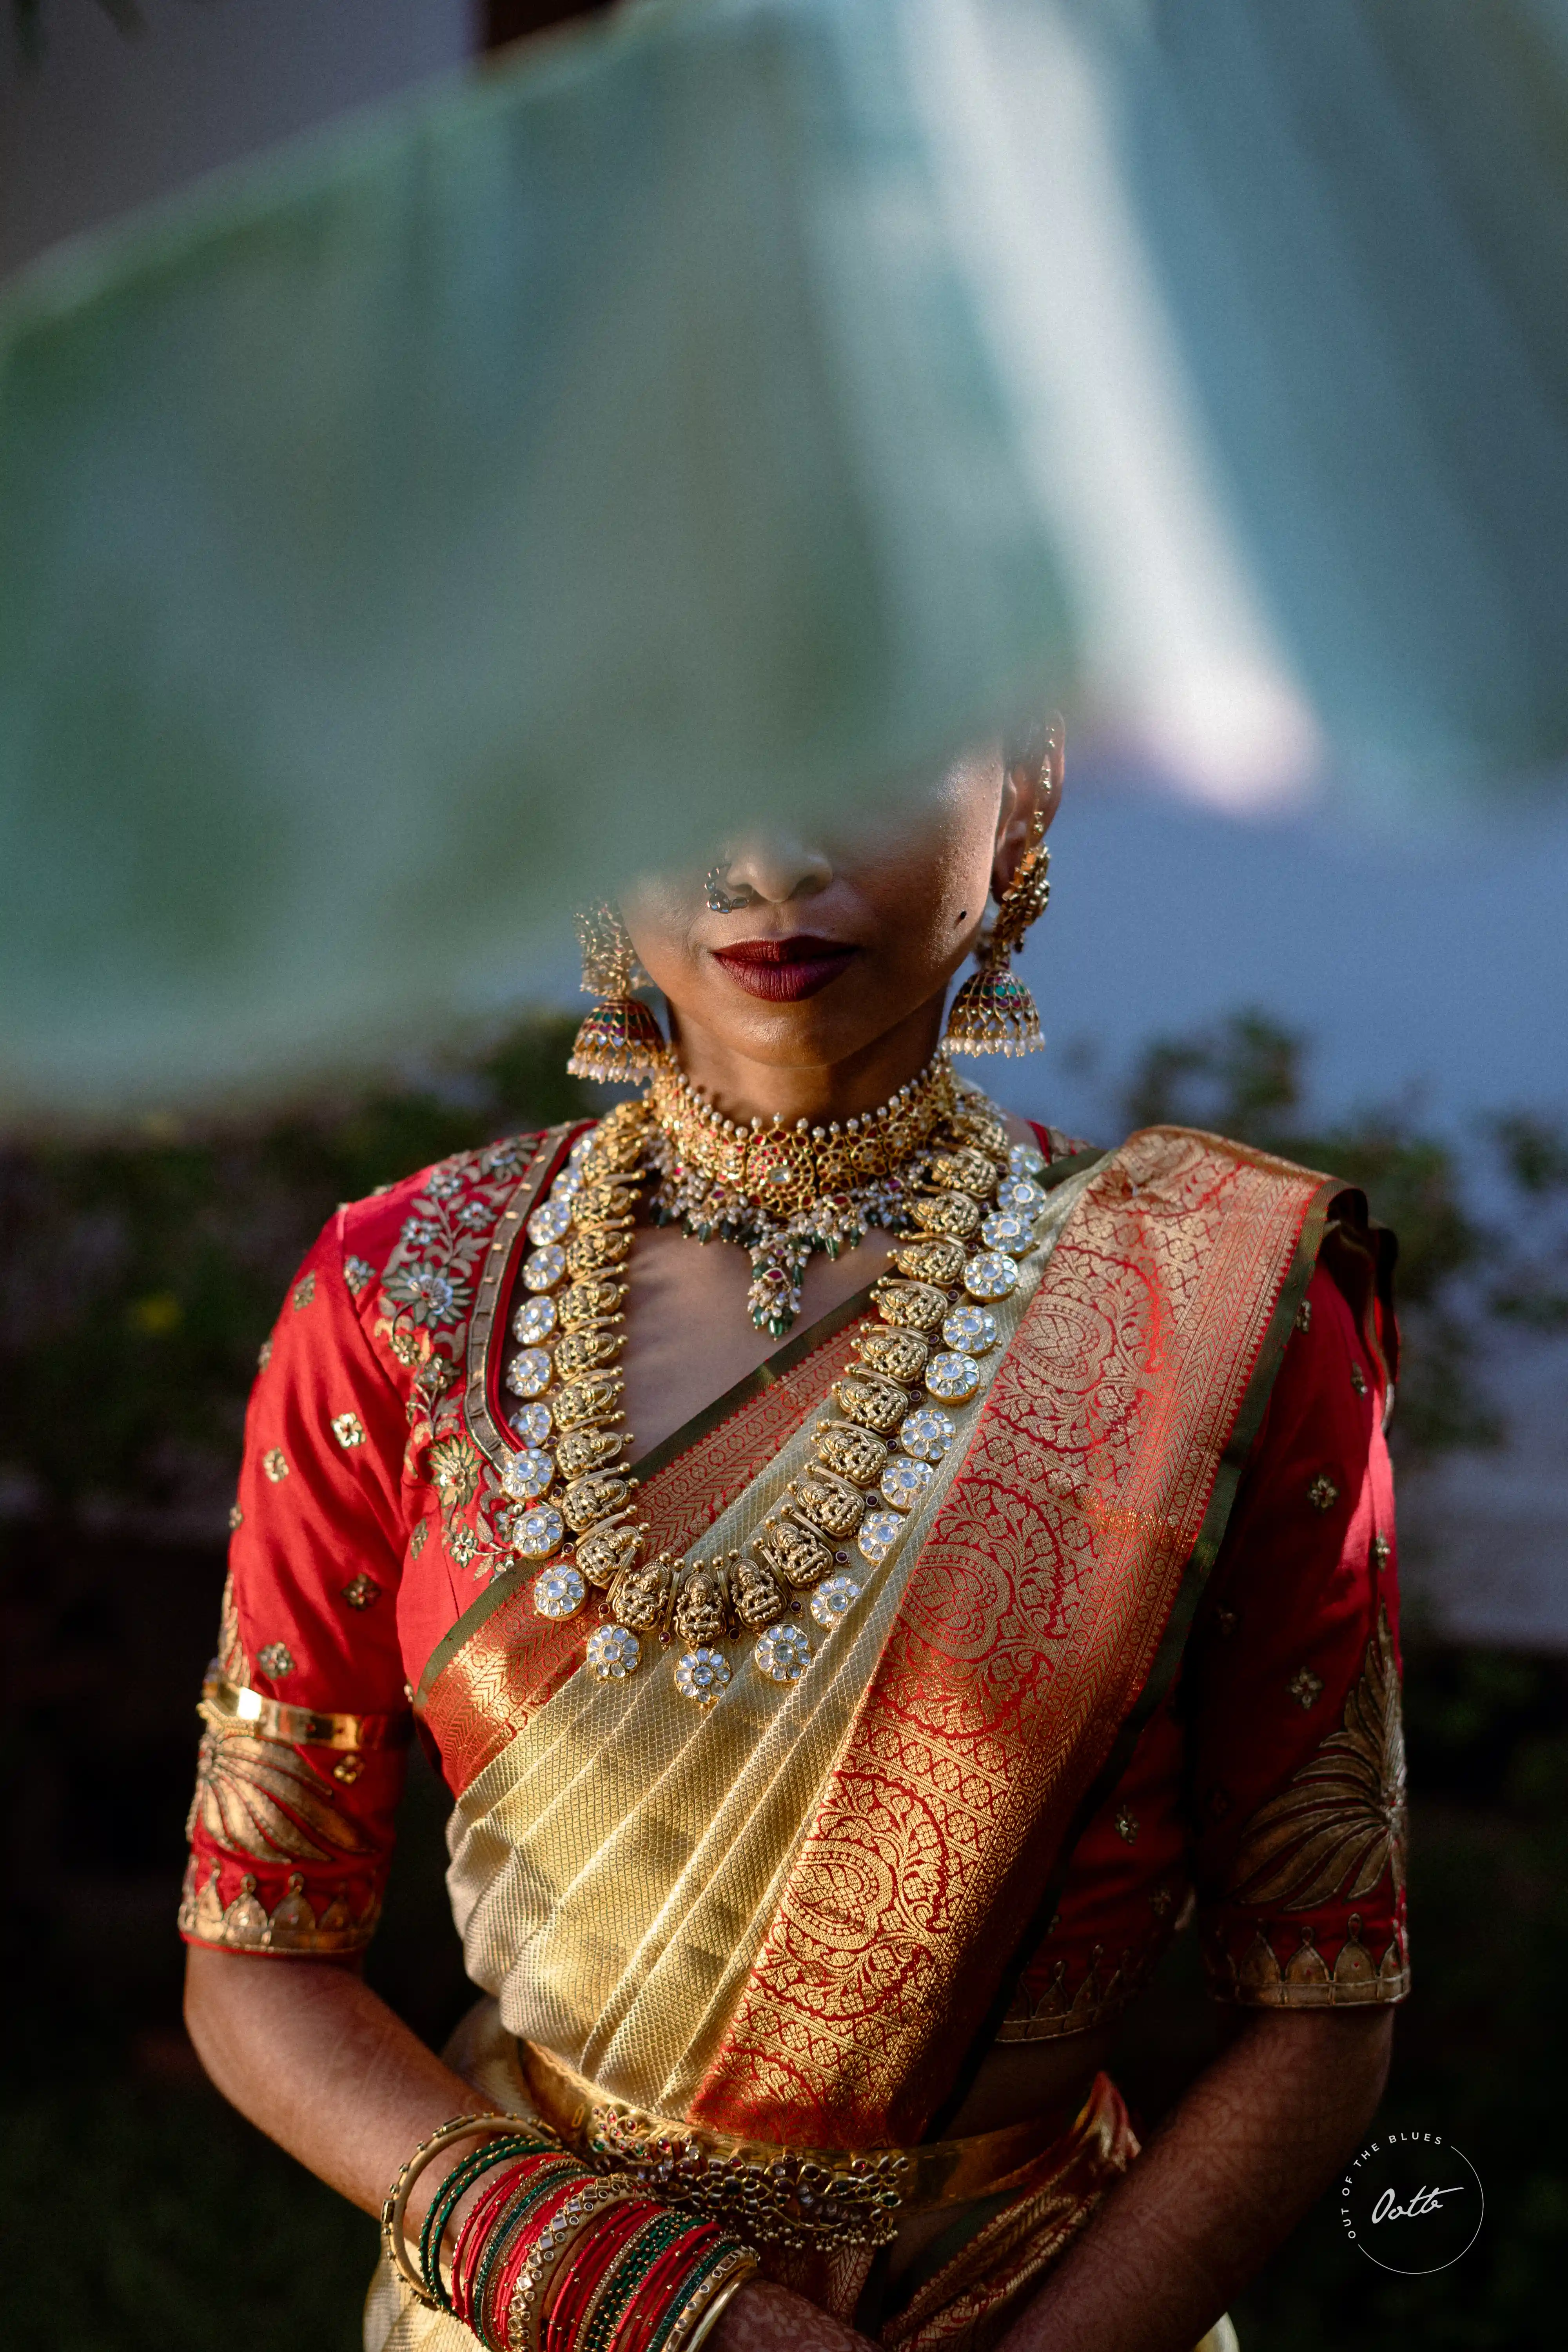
x: 785, y: 1169
x: 786, y: 1193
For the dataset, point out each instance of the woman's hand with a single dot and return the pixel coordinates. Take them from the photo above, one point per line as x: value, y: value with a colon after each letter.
x: 767, y: 2319
x: 1227, y: 2177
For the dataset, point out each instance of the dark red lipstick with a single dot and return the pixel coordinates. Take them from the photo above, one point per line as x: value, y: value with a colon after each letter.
x: 784, y: 970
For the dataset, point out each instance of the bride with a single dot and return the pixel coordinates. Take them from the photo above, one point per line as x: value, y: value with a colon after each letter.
x: 870, y: 1569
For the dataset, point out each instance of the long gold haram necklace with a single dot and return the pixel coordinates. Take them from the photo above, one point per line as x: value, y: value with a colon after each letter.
x: 970, y: 1206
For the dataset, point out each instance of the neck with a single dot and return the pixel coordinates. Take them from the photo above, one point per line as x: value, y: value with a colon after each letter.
x: 743, y: 1088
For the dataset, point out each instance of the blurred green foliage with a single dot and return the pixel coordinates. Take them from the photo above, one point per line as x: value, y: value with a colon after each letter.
x: 1483, y: 1237
x: 139, y: 1275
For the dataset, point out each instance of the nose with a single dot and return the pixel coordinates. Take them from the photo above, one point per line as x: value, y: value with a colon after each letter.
x: 776, y: 867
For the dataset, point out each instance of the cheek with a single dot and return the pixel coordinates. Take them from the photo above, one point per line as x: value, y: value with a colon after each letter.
x: 929, y: 905
x: 659, y: 922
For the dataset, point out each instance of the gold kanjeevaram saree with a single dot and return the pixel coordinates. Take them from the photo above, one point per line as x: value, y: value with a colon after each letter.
x: 784, y: 1920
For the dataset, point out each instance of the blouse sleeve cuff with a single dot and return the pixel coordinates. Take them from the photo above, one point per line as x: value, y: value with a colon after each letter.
x: 335, y: 1924
x: 1309, y: 1966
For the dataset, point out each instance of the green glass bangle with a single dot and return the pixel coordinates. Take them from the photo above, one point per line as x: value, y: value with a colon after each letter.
x: 444, y: 2202
x: 394, y: 2206
x: 462, y: 2176
x: 633, y: 2267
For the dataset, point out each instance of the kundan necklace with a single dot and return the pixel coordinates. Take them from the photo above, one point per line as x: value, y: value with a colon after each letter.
x: 781, y: 1193
x: 967, y: 1200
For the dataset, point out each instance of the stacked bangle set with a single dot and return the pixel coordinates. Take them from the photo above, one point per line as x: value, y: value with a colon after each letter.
x: 552, y: 2257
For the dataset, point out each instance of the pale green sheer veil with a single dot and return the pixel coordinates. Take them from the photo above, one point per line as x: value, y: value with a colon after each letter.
x: 705, y: 412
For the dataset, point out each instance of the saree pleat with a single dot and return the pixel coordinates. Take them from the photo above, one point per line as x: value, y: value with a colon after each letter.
x: 615, y: 1869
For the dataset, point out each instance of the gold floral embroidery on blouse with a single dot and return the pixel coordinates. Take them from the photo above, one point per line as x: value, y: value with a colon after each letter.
x: 256, y: 1797
x: 231, y: 1659
x: 426, y: 1298
x: 1341, y: 1824
x: 453, y: 1464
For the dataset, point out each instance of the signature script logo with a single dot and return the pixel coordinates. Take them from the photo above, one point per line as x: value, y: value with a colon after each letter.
x: 1425, y: 2201
x: 1412, y: 2201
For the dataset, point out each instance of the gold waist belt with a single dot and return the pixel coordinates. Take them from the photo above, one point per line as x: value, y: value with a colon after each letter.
x: 817, y: 2197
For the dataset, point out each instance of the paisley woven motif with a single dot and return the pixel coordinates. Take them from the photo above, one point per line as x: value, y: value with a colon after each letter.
x: 1028, y: 1629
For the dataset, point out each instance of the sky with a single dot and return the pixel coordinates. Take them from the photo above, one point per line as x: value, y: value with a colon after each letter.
x: 1426, y: 969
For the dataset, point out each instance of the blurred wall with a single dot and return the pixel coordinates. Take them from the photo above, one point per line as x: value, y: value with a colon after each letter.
x: 104, y: 122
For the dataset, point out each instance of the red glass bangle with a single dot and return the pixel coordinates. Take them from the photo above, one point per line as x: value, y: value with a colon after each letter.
x: 502, y: 2284
x: 539, y: 2182
x: 475, y: 2233
x: 470, y: 2236
x: 581, y: 2284
x: 497, y: 2303
x: 492, y: 2320
x: 668, y: 2284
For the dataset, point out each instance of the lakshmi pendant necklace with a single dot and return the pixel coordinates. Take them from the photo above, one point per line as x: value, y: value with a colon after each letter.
x: 935, y: 1165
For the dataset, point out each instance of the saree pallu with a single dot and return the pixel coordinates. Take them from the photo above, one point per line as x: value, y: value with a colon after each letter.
x: 788, y: 1918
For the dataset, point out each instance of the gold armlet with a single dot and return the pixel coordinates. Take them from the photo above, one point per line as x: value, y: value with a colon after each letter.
x: 231, y: 1706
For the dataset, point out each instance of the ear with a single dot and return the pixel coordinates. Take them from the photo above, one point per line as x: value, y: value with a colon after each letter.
x: 1031, y: 795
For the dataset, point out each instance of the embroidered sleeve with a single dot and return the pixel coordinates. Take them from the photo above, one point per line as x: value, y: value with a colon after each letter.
x: 305, y: 1712
x: 1296, y: 1751
x: 1124, y: 1895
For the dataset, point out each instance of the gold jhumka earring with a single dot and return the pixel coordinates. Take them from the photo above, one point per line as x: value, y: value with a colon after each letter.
x: 993, y: 1012
x: 619, y: 1038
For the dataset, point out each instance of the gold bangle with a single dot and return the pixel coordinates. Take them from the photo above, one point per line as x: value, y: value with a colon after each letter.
x: 555, y: 2242
x: 395, y: 2203
x: 708, y: 2306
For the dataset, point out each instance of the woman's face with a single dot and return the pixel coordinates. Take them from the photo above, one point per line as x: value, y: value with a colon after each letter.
x: 842, y: 935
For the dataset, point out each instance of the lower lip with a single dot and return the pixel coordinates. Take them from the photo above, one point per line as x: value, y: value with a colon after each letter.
x: 786, y: 983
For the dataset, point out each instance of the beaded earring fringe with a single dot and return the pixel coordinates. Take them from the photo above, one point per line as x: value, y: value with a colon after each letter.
x: 993, y: 1013
x: 619, y: 1039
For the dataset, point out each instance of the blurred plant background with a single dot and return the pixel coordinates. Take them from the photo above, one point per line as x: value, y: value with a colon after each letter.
x: 138, y: 1277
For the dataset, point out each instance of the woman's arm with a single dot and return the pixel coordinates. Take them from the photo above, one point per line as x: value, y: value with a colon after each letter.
x: 1255, y: 2140
x: 319, y: 2062
x: 320, y: 2065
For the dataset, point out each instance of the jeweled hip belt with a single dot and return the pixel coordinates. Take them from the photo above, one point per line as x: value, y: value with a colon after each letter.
x: 779, y: 2196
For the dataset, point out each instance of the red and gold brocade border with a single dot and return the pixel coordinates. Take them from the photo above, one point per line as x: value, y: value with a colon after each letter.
x: 502, y: 1662
x: 1032, y: 1621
